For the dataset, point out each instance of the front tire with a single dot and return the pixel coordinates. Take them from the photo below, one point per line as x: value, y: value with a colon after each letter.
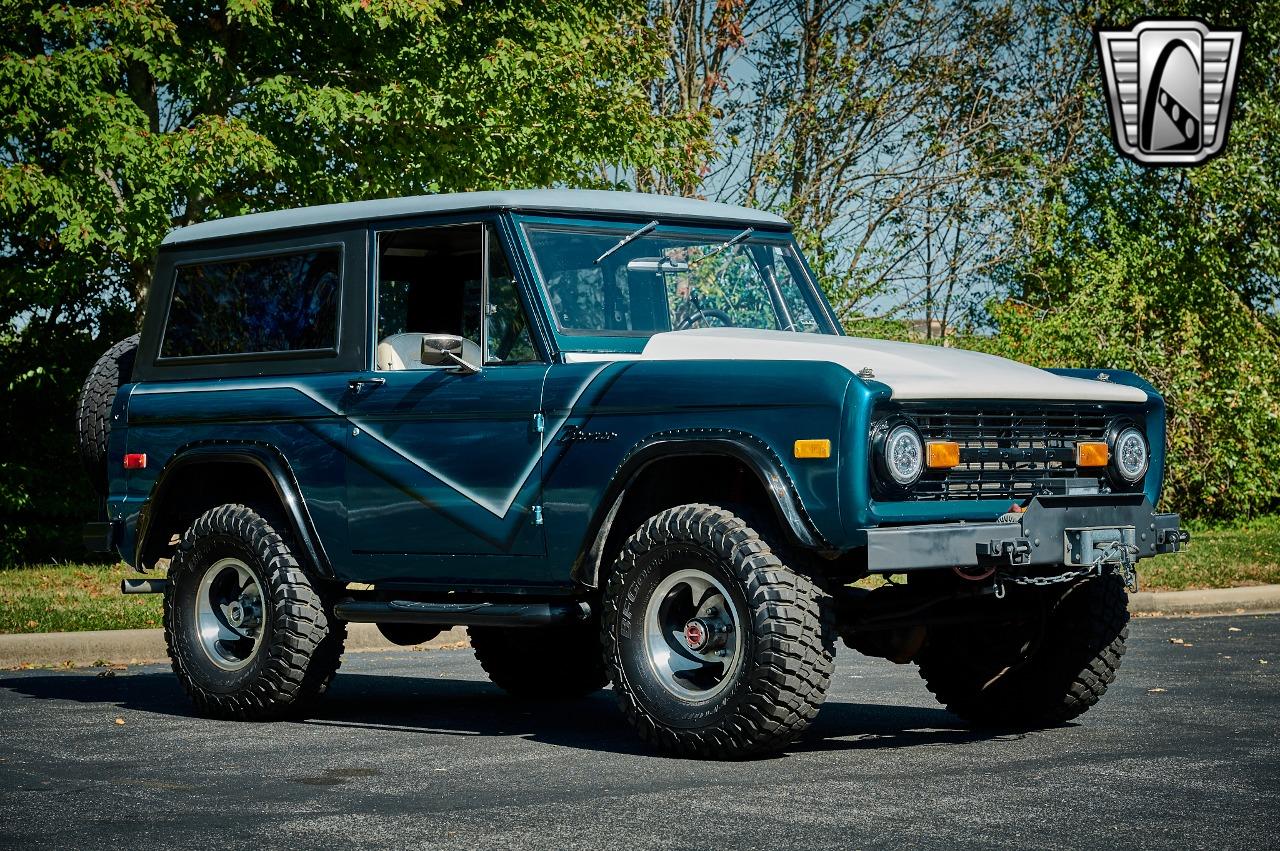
x: 715, y: 648
x: 1038, y: 673
x: 248, y: 634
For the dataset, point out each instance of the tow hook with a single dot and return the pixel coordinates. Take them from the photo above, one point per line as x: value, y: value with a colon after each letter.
x: 1174, y: 538
x: 1006, y: 552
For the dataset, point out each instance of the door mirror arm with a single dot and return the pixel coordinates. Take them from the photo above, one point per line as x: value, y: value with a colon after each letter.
x: 464, y: 366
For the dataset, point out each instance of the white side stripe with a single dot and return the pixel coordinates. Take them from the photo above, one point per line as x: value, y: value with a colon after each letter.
x: 498, y: 508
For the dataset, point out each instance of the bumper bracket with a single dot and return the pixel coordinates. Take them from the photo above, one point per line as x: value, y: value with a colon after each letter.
x: 1051, y: 532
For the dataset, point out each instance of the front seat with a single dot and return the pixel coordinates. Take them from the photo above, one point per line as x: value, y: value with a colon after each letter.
x: 404, y: 351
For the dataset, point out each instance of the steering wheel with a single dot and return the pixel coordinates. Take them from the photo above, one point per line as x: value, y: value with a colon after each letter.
x: 707, y: 317
x: 693, y: 315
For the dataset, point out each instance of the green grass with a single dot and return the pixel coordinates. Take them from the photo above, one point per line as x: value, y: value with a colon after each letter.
x: 71, y: 598
x: 1246, y: 553
x: 68, y: 598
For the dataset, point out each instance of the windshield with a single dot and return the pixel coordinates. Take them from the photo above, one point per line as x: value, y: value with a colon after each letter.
x: 638, y: 280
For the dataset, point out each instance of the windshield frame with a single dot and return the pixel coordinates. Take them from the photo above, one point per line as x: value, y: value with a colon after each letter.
x: 614, y: 341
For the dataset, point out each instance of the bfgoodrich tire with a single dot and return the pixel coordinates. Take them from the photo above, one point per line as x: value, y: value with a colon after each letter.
x: 1040, y: 673
x: 249, y: 635
x: 715, y: 648
x: 549, y: 663
x: 93, y: 411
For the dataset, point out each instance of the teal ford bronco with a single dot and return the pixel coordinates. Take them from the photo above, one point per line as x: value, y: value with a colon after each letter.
x: 622, y: 439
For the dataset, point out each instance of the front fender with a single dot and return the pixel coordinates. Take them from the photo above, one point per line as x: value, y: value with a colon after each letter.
x: 606, y: 422
x: 754, y: 453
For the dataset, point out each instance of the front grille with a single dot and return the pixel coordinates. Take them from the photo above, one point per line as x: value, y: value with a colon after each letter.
x: 1005, y: 452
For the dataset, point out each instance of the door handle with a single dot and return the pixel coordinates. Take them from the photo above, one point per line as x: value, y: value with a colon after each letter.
x: 360, y: 385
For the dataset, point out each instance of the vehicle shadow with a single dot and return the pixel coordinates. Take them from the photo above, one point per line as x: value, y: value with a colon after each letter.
x: 456, y: 707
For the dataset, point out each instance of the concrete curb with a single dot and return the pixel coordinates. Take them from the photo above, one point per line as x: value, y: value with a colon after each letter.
x: 1213, y: 601
x: 139, y: 646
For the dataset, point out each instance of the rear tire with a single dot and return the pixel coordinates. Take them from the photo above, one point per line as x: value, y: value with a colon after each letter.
x: 248, y: 634
x: 1021, y: 676
x: 748, y: 670
x: 93, y: 410
x: 543, y: 663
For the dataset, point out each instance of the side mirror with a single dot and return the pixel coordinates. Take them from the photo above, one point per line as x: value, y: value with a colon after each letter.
x: 445, y: 350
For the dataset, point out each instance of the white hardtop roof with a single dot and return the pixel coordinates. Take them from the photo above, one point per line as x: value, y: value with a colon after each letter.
x: 580, y: 201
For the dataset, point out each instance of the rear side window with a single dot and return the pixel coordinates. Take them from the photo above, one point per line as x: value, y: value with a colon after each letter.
x: 255, y: 305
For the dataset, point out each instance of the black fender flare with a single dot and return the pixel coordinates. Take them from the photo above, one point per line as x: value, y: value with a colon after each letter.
x: 262, y: 456
x: 753, y: 452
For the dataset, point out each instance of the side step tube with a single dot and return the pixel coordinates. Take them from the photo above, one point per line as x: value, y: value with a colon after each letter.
x: 143, y: 586
x: 462, y: 614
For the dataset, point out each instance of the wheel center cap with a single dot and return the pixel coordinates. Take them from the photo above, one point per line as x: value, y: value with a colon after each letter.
x: 235, y: 614
x: 696, y: 634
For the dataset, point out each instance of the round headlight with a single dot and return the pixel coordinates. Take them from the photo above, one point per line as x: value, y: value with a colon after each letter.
x: 904, y: 454
x: 1129, y: 454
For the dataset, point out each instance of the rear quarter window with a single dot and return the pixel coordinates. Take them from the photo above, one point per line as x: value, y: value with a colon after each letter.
x: 284, y: 302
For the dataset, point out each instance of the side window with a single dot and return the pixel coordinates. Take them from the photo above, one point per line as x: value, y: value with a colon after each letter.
x: 429, y: 282
x: 507, y: 336
x: 255, y: 305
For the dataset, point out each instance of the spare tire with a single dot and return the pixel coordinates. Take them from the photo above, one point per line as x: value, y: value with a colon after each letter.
x: 93, y: 414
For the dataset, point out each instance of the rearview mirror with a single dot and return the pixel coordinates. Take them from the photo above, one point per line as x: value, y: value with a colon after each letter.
x: 445, y: 350
x: 655, y: 265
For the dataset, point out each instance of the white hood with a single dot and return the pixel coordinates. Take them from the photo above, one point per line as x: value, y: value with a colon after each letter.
x: 913, y: 371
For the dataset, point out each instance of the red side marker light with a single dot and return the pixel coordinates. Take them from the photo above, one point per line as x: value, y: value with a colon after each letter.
x: 135, y: 461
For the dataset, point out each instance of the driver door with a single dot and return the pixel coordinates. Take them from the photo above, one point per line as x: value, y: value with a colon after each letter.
x: 443, y: 468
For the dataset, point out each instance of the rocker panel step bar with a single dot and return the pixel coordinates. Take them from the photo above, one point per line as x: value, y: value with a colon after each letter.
x: 461, y: 614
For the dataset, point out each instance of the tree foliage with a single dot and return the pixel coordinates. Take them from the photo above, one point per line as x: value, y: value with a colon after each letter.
x: 122, y: 119
x: 902, y: 137
x: 1175, y: 274
x: 950, y: 163
x: 933, y: 153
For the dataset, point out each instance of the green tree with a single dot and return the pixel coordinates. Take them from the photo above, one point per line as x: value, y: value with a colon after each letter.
x: 1175, y: 274
x: 901, y: 137
x: 120, y: 120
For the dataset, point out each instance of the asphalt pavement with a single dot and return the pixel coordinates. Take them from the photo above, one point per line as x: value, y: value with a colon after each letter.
x: 417, y: 749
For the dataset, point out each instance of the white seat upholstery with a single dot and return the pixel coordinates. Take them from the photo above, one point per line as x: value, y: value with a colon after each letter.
x: 404, y: 351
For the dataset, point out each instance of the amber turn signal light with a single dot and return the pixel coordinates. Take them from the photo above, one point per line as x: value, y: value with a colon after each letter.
x: 1090, y: 453
x: 813, y: 448
x: 943, y: 454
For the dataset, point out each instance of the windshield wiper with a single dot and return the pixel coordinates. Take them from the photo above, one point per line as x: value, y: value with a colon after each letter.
x: 722, y: 246
x: 634, y: 235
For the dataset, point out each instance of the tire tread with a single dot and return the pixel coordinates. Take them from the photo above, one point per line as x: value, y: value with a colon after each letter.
x: 93, y: 407
x: 307, y: 641
x: 794, y: 649
x: 1079, y: 658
